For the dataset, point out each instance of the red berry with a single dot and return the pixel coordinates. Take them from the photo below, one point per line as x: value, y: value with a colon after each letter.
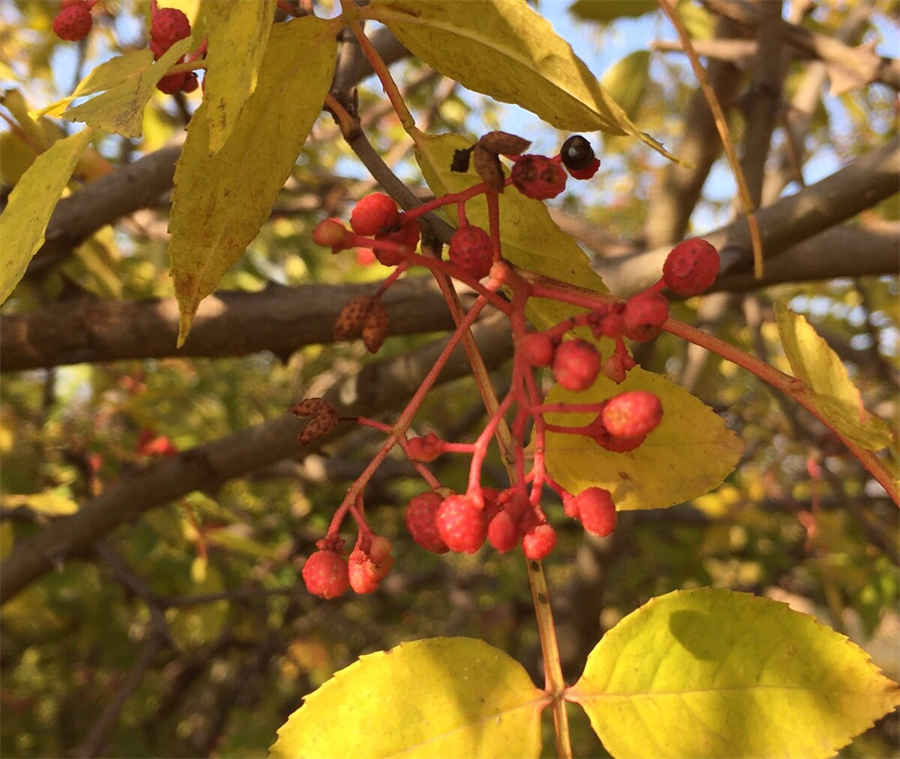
x: 425, y: 449
x: 586, y: 173
x: 576, y: 364
x: 406, y: 234
x: 461, y: 524
x: 537, y: 349
x: 190, y: 82
x: 691, y: 267
x: 325, y: 574
x: 167, y: 27
x: 73, y: 22
x: 539, y: 177
x: 472, y: 251
x: 374, y: 213
x: 538, y: 542
x: 632, y: 414
x: 172, y: 83
x: 570, y: 505
x: 502, y: 532
x: 367, y: 569
x: 644, y: 315
x: 596, y: 511
x: 420, y: 521
x: 600, y: 435
x: 331, y: 233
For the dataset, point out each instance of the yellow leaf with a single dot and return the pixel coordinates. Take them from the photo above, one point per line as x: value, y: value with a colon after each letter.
x: 705, y: 673
x: 505, y: 49
x: 106, y: 76
x: 37, y: 135
x: 55, y: 502
x: 25, y: 218
x: 441, y: 698
x: 222, y: 200
x: 605, y: 11
x: 120, y: 108
x: 237, y: 37
x: 834, y: 394
x: 530, y: 238
x: 626, y: 80
x: 687, y: 455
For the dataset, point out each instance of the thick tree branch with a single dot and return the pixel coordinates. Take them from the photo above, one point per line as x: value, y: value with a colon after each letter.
x: 840, y: 196
x: 279, y: 319
x: 379, y: 387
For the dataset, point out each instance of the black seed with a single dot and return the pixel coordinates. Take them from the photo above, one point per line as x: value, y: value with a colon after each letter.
x: 577, y: 153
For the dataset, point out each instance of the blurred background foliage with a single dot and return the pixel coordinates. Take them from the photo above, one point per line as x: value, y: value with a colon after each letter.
x: 193, y: 621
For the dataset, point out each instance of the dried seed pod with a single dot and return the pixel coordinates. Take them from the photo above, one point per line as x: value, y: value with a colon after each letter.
x: 504, y: 143
x: 375, y: 327
x: 352, y: 317
x: 488, y: 167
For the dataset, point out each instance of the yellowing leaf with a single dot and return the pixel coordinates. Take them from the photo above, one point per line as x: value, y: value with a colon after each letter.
x: 687, y: 455
x: 834, y: 394
x: 126, y: 67
x: 55, y: 502
x: 626, y: 80
x: 441, y: 698
x: 714, y: 673
x: 605, y: 11
x: 222, y: 200
x: 27, y: 213
x: 529, y: 237
x: 505, y: 49
x: 120, y: 108
x: 237, y: 37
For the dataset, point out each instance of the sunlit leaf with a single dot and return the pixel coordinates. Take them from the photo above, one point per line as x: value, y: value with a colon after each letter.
x: 605, y: 11
x: 714, y: 673
x: 221, y: 201
x: 120, y: 108
x: 442, y: 697
x: 830, y: 387
x: 687, y: 455
x: 54, y: 502
x: 505, y: 49
x: 27, y: 213
x: 237, y: 37
x: 530, y: 238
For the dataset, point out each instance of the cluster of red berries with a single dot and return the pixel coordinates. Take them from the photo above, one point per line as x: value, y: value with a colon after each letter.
x: 441, y: 521
x: 167, y: 26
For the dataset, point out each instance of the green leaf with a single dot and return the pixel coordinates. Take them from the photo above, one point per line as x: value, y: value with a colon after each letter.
x: 54, y: 502
x: 27, y: 213
x: 441, y: 697
x: 605, y: 11
x: 505, y: 49
x: 626, y: 80
x: 529, y: 238
x: 120, y: 108
x: 687, y: 455
x: 829, y: 386
x: 221, y: 201
x: 237, y: 37
x: 714, y: 673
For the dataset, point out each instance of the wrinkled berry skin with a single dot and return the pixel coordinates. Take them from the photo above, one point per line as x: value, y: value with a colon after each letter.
x: 537, y: 349
x: 576, y: 364
x: 472, y: 251
x: 538, y: 177
x: 73, y: 22
x: 420, y: 521
x: 644, y: 316
x: 691, y: 267
x: 325, y: 574
x: 538, y: 542
x: 596, y: 511
x: 461, y: 524
x: 374, y: 213
x: 169, y: 25
x: 425, y: 449
x: 632, y: 414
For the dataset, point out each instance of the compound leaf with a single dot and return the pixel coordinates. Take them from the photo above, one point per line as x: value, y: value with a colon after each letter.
x: 504, y: 49
x: 825, y: 376
x: 441, y: 697
x: 714, y: 673
x: 687, y: 455
x: 23, y: 222
x: 120, y: 108
x: 221, y: 200
x: 237, y: 37
x: 530, y: 239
